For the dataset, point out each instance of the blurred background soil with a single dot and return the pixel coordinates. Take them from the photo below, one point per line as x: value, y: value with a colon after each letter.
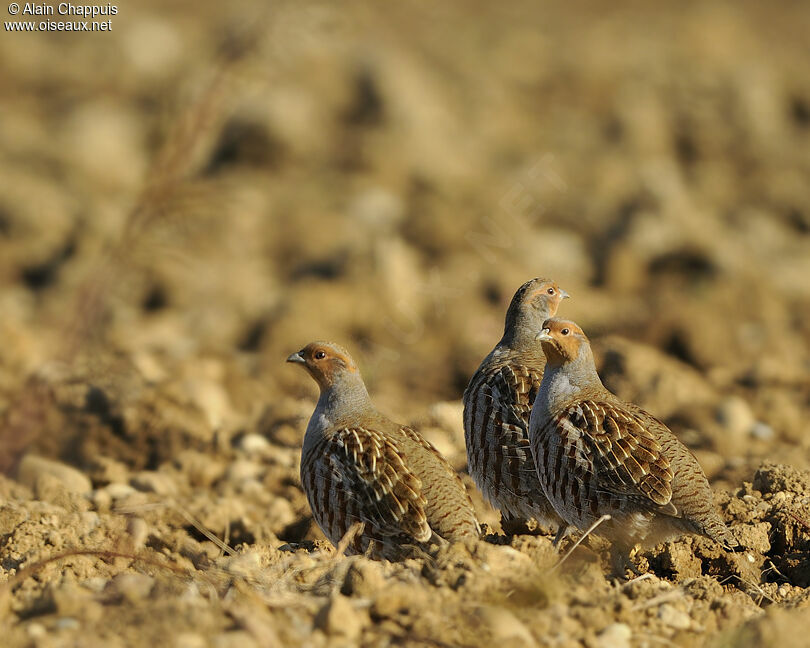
x: 189, y: 198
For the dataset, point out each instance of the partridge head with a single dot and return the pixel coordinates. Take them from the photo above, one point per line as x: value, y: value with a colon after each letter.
x: 535, y: 301
x: 326, y: 362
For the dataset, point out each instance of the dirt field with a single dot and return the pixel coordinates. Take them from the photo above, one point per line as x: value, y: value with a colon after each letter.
x: 192, y: 196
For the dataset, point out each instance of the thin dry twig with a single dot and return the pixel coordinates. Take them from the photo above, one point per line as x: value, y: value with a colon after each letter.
x: 23, y: 422
x: 590, y: 530
x: 799, y: 520
x: 347, y: 539
x: 637, y: 579
x: 762, y: 593
x: 104, y: 554
x: 188, y: 517
x: 224, y: 547
x: 666, y: 597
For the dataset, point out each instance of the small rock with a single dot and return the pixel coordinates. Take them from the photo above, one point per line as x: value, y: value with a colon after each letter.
x: 118, y: 491
x: 363, y: 578
x: 254, y: 444
x: 280, y: 511
x: 36, y: 630
x: 671, y: 616
x: 132, y: 586
x: 235, y: 639
x: 210, y: 396
x: 95, y: 584
x: 50, y: 489
x: 377, y: 209
x: 616, y: 635
x: 72, y: 600
x: 200, y: 469
x: 504, y: 626
x: 66, y: 623
x: 762, y: 431
x: 32, y: 467
x: 245, y: 564
x: 190, y: 640
x: 735, y: 416
x: 102, y: 501
x: 11, y: 516
x: 90, y: 519
x: 339, y: 618
x: 110, y: 471
x: 138, y: 533
x: 151, y: 481
x: 243, y: 470
x: 754, y: 536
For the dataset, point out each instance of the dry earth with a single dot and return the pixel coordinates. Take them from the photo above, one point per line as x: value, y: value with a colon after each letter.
x: 186, y: 200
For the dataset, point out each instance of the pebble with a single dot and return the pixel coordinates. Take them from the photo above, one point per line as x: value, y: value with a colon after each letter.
x: 102, y: 500
x: 281, y: 511
x: 504, y: 626
x: 734, y: 414
x: 66, y: 623
x: 32, y: 467
x: 151, y: 481
x: 95, y: 584
x: 363, y: 578
x: 118, y: 491
x: 673, y: 617
x: 254, y: 444
x: 762, y: 431
x: 243, y: 470
x: 190, y: 640
x: 11, y: 516
x: 616, y: 635
x: 90, y: 519
x: 235, y: 639
x: 74, y: 601
x: 339, y: 618
x: 132, y: 586
x: 138, y: 532
x: 244, y: 564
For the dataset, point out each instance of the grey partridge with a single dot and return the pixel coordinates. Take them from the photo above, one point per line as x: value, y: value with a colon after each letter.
x: 362, y: 471
x: 597, y: 455
x: 497, y: 404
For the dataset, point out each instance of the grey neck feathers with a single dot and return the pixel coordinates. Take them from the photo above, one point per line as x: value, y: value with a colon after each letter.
x: 523, y: 323
x: 340, y: 405
x: 562, y: 383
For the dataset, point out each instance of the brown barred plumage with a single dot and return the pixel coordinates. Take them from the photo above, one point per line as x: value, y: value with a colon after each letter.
x: 598, y: 455
x: 359, y: 466
x: 497, y: 404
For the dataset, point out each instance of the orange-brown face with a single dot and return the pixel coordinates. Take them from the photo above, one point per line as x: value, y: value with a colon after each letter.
x: 323, y: 360
x: 544, y: 292
x: 561, y: 340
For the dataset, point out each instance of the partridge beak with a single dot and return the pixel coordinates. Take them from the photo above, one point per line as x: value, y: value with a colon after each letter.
x: 544, y: 336
x: 296, y: 357
x: 563, y: 294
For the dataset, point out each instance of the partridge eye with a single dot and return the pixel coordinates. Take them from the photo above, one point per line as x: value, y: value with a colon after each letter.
x: 550, y: 291
x: 320, y: 355
x: 565, y: 331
